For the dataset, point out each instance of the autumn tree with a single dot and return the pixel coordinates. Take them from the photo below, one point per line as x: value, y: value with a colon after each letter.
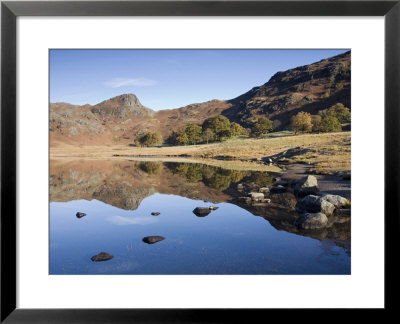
x: 301, y: 122
x: 261, y: 126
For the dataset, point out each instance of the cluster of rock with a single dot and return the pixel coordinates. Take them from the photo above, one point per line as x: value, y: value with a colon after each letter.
x: 315, y: 209
x: 261, y: 195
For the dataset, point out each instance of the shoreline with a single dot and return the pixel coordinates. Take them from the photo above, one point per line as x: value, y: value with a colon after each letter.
x: 325, y: 153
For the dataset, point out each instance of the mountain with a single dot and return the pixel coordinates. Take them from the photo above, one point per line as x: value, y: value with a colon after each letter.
x: 120, y: 119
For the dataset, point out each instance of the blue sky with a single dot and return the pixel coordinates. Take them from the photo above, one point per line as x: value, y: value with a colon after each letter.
x: 165, y: 79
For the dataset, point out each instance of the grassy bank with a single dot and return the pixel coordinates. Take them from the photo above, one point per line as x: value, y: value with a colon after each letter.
x: 326, y: 152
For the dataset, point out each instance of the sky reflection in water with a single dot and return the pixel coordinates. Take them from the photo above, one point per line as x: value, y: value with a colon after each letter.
x: 230, y: 240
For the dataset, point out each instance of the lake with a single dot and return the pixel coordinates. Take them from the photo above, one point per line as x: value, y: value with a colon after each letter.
x: 119, y: 197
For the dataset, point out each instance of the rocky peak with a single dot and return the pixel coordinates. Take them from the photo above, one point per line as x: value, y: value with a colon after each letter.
x: 124, y: 100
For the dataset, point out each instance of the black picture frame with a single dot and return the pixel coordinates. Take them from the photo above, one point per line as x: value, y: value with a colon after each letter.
x: 10, y: 10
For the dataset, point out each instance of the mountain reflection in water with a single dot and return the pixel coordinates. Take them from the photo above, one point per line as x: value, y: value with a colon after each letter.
x: 119, y: 196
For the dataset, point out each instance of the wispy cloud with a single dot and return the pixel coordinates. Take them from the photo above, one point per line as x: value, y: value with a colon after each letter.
x: 123, y: 220
x: 124, y: 82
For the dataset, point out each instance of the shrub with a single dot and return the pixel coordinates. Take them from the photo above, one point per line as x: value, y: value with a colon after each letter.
x: 301, y: 122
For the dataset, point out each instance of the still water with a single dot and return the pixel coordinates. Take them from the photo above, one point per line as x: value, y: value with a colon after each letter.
x: 119, y: 198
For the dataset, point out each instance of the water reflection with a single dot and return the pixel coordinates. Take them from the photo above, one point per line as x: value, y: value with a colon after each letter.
x: 126, y: 195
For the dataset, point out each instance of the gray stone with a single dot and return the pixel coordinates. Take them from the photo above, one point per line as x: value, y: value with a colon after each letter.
x: 213, y: 208
x: 264, y: 190
x: 312, y: 221
x: 256, y: 195
x: 306, y: 186
x: 314, y: 204
x: 336, y: 200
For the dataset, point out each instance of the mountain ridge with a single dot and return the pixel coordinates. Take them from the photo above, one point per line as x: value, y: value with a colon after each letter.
x: 120, y: 119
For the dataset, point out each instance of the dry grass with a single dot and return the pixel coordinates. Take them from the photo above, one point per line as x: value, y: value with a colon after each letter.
x: 328, y: 151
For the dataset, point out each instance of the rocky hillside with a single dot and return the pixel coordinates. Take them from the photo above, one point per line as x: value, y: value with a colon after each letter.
x: 120, y: 119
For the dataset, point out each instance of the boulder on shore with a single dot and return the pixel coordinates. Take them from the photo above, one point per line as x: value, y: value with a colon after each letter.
x: 102, y: 256
x: 201, y: 211
x: 152, y: 239
x: 337, y: 201
x: 314, y: 204
x: 306, y: 186
x: 312, y: 221
x: 256, y: 195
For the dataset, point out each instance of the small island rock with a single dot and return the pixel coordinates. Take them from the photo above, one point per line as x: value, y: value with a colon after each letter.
x: 201, y: 211
x: 152, y: 239
x: 102, y: 256
x: 155, y: 213
x: 80, y: 215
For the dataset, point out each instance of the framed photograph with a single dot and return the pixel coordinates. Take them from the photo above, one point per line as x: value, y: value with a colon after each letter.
x: 187, y: 160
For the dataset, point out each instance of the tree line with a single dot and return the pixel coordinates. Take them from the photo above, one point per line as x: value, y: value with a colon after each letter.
x: 327, y: 120
x: 219, y: 128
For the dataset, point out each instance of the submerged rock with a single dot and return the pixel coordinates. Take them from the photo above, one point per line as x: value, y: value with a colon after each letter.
x: 306, y: 186
x: 155, y: 213
x: 336, y: 200
x: 312, y: 221
x: 201, y: 211
x: 314, y: 204
x: 152, y: 239
x: 80, y: 215
x: 102, y: 256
